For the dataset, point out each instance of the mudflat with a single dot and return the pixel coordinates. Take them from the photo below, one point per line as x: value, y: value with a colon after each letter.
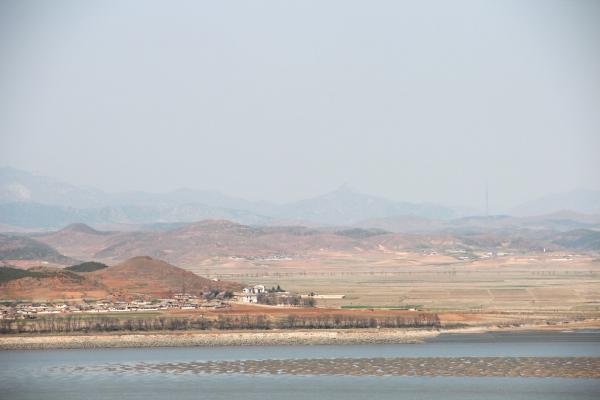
x: 529, y: 367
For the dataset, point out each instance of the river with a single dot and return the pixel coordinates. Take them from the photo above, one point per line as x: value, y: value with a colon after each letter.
x: 313, y: 372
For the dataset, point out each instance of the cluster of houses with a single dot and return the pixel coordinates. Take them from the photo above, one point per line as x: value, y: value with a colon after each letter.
x: 179, y: 301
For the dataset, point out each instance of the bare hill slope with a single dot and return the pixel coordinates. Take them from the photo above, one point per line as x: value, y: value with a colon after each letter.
x: 137, y: 277
x: 149, y: 276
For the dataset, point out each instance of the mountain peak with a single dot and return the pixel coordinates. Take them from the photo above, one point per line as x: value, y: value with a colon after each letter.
x: 81, y: 228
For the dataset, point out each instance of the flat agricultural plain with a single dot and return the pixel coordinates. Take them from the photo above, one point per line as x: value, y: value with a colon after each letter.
x: 550, y: 283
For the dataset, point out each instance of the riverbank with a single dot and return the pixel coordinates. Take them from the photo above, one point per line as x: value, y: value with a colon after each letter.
x: 216, y: 338
x: 259, y: 338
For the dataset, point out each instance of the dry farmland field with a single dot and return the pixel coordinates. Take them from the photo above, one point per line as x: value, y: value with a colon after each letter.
x: 544, y: 282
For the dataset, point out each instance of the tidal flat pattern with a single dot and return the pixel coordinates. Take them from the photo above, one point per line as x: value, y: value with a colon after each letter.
x: 565, y: 367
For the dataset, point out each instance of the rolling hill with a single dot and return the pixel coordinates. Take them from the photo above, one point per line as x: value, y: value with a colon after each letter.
x: 137, y: 277
x: 580, y: 239
x: 49, y: 284
x: 88, y: 266
x: 195, y: 243
x: 148, y: 276
x: 25, y: 248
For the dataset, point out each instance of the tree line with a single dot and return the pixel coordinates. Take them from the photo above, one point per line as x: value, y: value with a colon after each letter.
x: 344, y: 321
x: 274, y: 299
x: 85, y: 324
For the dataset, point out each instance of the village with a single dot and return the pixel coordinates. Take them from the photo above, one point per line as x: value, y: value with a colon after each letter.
x: 255, y: 294
x: 19, y: 310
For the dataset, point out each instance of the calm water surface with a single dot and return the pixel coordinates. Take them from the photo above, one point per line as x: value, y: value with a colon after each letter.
x: 49, y: 374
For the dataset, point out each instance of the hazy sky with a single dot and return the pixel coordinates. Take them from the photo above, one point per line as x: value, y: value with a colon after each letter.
x: 416, y: 101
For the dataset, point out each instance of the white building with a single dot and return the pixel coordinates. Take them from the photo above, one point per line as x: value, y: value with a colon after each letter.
x: 249, y: 298
x: 256, y: 289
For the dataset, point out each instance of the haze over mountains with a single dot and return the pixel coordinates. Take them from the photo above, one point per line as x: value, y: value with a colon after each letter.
x: 188, y: 227
x: 36, y: 202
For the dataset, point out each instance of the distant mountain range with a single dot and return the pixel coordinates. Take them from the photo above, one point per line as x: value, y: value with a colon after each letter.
x: 36, y: 215
x: 33, y: 201
x: 581, y: 201
x: 558, y: 221
x: 29, y: 201
x: 18, y: 186
x: 195, y: 243
x: 345, y: 206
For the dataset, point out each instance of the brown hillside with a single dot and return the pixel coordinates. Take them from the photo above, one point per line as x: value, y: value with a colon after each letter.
x: 151, y: 277
x: 81, y: 228
x: 53, y: 284
x: 136, y: 277
x: 201, y: 243
x: 77, y: 240
x: 194, y: 243
x: 197, y: 242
